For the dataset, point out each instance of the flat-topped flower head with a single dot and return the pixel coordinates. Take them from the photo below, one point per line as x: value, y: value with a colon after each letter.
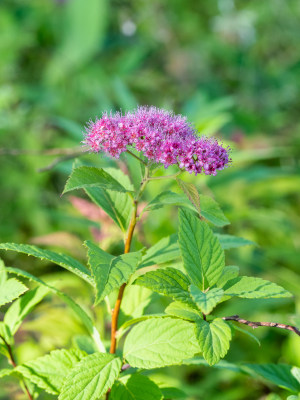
x: 162, y: 136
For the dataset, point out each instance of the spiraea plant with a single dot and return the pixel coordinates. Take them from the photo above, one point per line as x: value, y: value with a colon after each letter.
x: 188, y: 267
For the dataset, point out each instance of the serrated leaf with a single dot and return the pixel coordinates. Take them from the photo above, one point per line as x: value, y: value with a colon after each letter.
x: 19, y: 310
x: 167, y: 281
x: 63, y: 260
x: 213, y: 338
x: 49, y: 372
x: 206, y: 301
x: 278, y: 374
x: 160, y: 342
x: 184, y: 311
x: 112, y: 275
x: 203, y: 257
x: 86, y: 177
x: 168, y: 198
x: 91, y: 377
x: 163, y: 251
x: 211, y: 211
x: 6, y: 372
x: 118, y: 205
x: 254, y: 288
x: 137, y: 387
x: 10, y: 290
x: 232, y: 242
x: 5, y: 332
x: 229, y: 272
x: 79, y: 312
x: 192, y: 193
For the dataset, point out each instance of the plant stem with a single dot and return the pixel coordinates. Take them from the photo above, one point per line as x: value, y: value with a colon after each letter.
x: 128, y: 239
x: 138, y: 158
x: 14, y: 364
x: 258, y: 324
x: 164, y: 177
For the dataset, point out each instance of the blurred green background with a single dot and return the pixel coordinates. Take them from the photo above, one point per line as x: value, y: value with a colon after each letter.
x: 231, y: 66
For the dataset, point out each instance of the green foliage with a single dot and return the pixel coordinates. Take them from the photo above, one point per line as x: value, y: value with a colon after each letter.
x: 86, y: 177
x: 192, y: 193
x: 18, y: 311
x: 214, y: 338
x: 254, y: 288
x: 159, y: 342
x: 110, y: 274
x: 65, y: 62
x: 117, y: 204
x: 279, y: 374
x: 206, y: 301
x: 168, y: 281
x: 63, y: 260
x: 10, y: 289
x: 91, y: 377
x: 183, y: 310
x: 49, y: 372
x: 78, y: 311
x: 135, y: 387
x: 163, y: 251
x: 203, y: 258
x: 232, y: 242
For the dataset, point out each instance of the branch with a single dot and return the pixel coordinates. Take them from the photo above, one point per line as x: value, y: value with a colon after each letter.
x: 14, y: 364
x: 255, y: 325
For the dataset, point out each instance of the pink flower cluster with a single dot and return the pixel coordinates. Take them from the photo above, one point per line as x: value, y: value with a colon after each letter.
x: 162, y: 137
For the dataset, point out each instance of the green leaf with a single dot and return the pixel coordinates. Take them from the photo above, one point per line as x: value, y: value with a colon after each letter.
x: 6, y: 372
x: 159, y: 342
x: 49, y: 372
x: 238, y: 328
x: 184, y: 311
x: 91, y: 377
x: 296, y: 373
x: 137, y: 387
x: 168, y: 198
x: 133, y: 321
x: 278, y: 374
x: 163, y: 251
x: 192, y: 193
x: 111, y: 275
x: 63, y: 260
x: 173, y: 393
x: 203, y: 257
x: 10, y: 289
x: 220, y: 365
x: 167, y: 281
x: 206, y: 301
x: 211, y: 211
x: 118, y: 205
x: 79, y: 312
x: 229, y: 272
x: 231, y: 242
x: 254, y: 288
x: 135, y: 300
x: 213, y: 338
x: 19, y: 310
x: 86, y: 177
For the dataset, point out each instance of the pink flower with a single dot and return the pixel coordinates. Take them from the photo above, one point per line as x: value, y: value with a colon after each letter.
x: 161, y: 135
